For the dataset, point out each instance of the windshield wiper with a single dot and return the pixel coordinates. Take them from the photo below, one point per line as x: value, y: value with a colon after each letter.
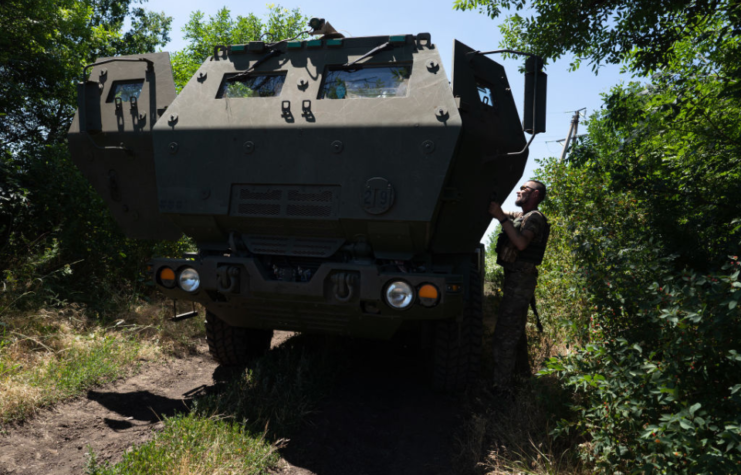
x: 369, y: 53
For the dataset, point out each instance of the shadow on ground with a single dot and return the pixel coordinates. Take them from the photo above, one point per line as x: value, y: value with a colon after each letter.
x: 382, y: 417
x: 142, y: 406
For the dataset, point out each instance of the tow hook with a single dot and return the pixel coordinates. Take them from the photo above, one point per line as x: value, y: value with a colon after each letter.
x: 344, y: 285
x: 228, y: 279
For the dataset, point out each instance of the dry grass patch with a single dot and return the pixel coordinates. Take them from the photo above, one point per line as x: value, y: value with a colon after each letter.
x: 51, y: 354
x: 510, y: 433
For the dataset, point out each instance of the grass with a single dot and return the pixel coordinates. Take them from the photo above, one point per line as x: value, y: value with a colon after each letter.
x: 510, y: 433
x: 239, y: 427
x: 240, y: 424
x: 191, y: 444
x: 51, y: 355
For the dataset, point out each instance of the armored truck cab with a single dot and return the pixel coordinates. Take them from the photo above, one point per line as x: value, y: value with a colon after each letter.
x: 333, y: 185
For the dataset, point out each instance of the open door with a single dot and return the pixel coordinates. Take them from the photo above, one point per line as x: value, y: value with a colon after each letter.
x: 486, y: 101
x: 110, y: 139
x: 482, y: 169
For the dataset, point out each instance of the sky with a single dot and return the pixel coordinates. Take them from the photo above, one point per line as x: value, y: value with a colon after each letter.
x: 567, y: 91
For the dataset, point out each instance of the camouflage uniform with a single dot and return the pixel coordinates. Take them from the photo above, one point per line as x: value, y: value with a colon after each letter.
x: 520, y: 278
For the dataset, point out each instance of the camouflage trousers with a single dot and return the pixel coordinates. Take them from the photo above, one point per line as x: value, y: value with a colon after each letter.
x: 510, y: 339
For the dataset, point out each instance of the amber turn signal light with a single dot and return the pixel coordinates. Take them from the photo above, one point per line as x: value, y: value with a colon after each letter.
x: 428, y: 295
x: 167, y: 277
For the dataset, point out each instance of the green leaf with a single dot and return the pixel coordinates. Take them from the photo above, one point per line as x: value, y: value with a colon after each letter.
x: 694, y: 408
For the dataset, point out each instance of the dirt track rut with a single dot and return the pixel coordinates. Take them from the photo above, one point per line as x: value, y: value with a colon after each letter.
x: 381, y: 419
x: 109, y: 419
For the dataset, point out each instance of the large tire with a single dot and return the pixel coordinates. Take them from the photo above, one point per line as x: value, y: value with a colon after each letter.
x: 457, y: 342
x: 235, y: 346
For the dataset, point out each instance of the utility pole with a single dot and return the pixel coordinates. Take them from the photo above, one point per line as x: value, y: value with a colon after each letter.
x: 573, y: 129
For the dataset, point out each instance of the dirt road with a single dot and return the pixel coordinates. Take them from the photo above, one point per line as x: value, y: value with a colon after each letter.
x: 380, y: 419
x: 109, y: 419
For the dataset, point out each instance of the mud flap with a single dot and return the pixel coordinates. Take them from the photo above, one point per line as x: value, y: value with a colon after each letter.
x: 110, y: 139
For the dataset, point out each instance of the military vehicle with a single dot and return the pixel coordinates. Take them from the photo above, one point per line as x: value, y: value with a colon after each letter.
x: 332, y: 185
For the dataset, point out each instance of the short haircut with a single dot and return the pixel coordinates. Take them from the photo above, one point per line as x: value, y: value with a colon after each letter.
x: 540, y: 186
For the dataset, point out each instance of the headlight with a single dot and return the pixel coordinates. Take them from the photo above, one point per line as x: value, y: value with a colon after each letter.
x: 189, y: 280
x: 399, y: 295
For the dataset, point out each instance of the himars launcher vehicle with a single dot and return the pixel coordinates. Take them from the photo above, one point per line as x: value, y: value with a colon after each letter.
x: 332, y: 185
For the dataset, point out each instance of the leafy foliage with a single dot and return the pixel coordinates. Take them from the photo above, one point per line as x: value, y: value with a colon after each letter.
x: 58, y: 241
x: 646, y: 233
x: 51, y: 222
x: 650, y: 202
x: 222, y: 29
x: 653, y: 340
x: 643, y: 33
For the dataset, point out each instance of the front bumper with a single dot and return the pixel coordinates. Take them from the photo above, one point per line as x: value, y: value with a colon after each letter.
x: 239, y: 291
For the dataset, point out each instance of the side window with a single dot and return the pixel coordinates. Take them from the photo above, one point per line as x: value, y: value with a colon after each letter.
x: 254, y: 85
x: 365, y: 82
x: 485, y: 94
x: 125, y: 90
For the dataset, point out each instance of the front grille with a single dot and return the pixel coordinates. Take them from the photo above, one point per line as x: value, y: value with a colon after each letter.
x: 248, y: 194
x: 323, y: 196
x: 285, y: 201
x: 259, y: 209
x: 309, y: 211
x: 292, y: 246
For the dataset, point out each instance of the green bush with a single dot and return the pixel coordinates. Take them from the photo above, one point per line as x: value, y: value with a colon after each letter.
x: 654, y: 331
x: 57, y: 240
x: 663, y: 395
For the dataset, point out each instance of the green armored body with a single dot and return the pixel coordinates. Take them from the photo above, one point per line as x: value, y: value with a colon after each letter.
x: 335, y: 185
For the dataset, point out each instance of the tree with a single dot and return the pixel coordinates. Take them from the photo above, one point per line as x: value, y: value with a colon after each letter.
x: 45, y: 45
x: 49, y: 216
x: 647, y: 230
x: 639, y: 33
x: 222, y: 29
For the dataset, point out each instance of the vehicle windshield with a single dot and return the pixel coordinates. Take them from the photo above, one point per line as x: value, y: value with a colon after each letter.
x: 254, y: 85
x: 366, y: 82
x: 125, y: 90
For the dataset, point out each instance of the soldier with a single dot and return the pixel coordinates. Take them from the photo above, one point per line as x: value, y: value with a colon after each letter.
x: 520, y: 250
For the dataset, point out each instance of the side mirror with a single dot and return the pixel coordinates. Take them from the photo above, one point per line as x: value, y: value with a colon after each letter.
x: 88, y: 103
x: 536, y: 85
